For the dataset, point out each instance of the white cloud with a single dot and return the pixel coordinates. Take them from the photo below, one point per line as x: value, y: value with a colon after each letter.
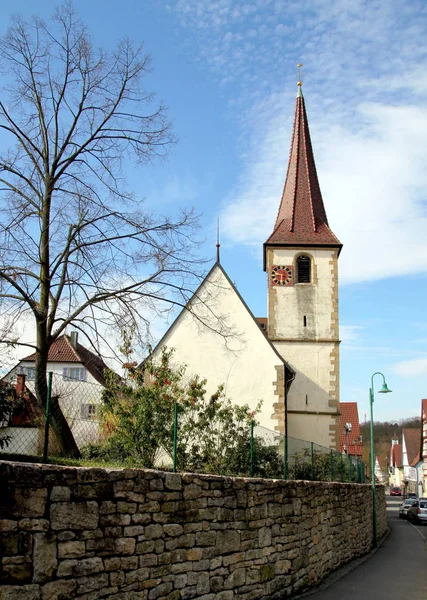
x: 373, y: 184
x: 367, y: 116
x: 412, y: 368
x: 351, y: 334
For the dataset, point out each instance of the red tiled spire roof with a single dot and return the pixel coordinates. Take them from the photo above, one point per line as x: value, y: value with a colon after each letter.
x: 301, y: 219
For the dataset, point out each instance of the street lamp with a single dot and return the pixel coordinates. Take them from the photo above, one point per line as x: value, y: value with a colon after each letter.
x: 383, y: 390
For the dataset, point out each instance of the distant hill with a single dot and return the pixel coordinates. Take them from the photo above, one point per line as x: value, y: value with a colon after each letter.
x: 384, y: 432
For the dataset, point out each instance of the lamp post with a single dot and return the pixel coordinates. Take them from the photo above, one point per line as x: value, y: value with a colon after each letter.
x: 383, y: 390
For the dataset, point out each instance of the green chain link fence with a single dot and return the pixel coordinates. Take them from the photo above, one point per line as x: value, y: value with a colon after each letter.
x: 251, y: 451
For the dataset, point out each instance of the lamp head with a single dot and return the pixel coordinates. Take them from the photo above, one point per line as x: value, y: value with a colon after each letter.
x: 384, y: 389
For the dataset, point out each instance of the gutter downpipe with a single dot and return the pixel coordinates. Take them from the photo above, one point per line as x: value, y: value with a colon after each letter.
x: 291, y: 379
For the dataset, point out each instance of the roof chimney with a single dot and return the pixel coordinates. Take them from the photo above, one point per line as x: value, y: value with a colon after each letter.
x: 74, y: 339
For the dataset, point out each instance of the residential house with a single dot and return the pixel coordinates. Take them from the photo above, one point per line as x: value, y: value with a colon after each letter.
x: 20, y: 431
x: 396, y: 465
x: 381, y: 469
x: 423, y: 450
x: 350, y: 438
x: 78, y: 381
x: 412, y: 465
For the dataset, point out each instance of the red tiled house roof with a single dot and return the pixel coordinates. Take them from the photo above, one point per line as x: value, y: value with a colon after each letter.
x: 413, y: 444
x: 301, y: 219
x: 396, y: 456
x: 349, y: 414
x: 62, y: 350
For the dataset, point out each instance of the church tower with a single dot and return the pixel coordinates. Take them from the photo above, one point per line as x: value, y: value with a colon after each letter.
x: 301, y: 260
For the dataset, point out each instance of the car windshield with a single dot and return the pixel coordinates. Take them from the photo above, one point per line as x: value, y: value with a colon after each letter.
x: 423, y: 504
x: 409, y: 502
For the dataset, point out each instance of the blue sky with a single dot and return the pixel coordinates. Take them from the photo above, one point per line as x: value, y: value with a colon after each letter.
x: 226, y: 69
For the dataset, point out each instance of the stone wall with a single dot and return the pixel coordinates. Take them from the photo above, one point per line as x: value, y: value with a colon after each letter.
x: 143, y: 535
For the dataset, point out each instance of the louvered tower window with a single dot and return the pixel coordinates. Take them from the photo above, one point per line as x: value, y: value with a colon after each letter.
x: 303, y: 269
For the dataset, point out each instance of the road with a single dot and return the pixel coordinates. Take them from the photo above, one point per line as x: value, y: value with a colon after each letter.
x: 396, y: 571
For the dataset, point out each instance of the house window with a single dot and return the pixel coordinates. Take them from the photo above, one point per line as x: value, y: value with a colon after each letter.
x: 303, y: 269
x: 88, y: 411
x: 29, y: 372
x: 74, y: 374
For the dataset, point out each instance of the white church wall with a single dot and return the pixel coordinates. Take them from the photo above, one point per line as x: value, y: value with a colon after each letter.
x: 243, y: 361
x: 311, y: 428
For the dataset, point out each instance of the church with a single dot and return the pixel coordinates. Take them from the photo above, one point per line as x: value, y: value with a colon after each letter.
x: 289, y: 360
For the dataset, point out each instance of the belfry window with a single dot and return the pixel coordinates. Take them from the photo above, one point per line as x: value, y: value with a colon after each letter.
x: 303, y: 269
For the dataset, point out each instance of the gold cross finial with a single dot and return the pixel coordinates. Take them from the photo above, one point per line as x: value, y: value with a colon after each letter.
x: 299, y: 66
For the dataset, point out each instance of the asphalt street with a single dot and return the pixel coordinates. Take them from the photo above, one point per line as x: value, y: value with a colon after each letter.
x: 397, y: 570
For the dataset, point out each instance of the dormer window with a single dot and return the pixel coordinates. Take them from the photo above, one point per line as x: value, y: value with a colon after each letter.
x: 303, y: 269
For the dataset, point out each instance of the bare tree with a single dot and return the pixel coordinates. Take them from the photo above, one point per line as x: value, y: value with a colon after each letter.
x: 76, y: 248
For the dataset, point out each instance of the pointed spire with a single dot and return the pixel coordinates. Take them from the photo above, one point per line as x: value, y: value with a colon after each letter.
x: 301, y: 219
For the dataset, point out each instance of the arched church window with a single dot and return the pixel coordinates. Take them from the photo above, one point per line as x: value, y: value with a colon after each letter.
x: 303, y: 269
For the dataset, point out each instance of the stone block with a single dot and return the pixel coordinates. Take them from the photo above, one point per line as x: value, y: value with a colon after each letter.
x: 173, y: 530
x: 133, y: 530
x: 60, y: 493
x: 91, y: 583
x: 29, y: 502
x: 228, y: 541
x: 34, y: 524
x: 22, y: 592
x: 8, y: 525
x: 173, y: 481
x: 127, y: 563
x: 236, y: 579
x: 44, y: 556
x: 128, y: 508
x: 114, y: 520
x: 64, y: 536
x: 71, y: 549
x: 125, y: 546
x: 16, y: 569
x: 112, y: 564
x: 206, y: 538
x: 192, y: 492
x: 74, y: 515
x: 153, y: 531
x: 59, y: 590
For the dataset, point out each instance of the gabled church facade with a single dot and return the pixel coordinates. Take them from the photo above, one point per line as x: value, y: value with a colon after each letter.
x: 292, y: 366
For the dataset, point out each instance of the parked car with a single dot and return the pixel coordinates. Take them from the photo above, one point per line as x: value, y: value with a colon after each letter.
x: 395, y: 491
x: 411, y: 495
x: 417, y: 513
x: 405, y: 506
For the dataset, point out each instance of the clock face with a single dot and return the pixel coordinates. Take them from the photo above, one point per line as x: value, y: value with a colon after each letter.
x: 281, y: 275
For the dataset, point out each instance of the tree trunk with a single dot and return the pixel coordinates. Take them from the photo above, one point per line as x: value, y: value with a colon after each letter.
x: 58, y: 422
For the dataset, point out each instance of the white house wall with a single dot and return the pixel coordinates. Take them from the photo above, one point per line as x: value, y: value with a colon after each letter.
x: 241, y: 358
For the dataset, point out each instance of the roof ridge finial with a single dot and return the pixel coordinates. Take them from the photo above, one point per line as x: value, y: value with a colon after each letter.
x: 299, y: 82
x: 217, y: 243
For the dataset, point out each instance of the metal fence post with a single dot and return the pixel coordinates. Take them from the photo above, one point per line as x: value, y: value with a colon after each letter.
x: 312, y: 460
x: 349, y: 468
x: 175, y: 434
x: 332, y: 465
x: 251, y: 450
x: 47, y: 415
